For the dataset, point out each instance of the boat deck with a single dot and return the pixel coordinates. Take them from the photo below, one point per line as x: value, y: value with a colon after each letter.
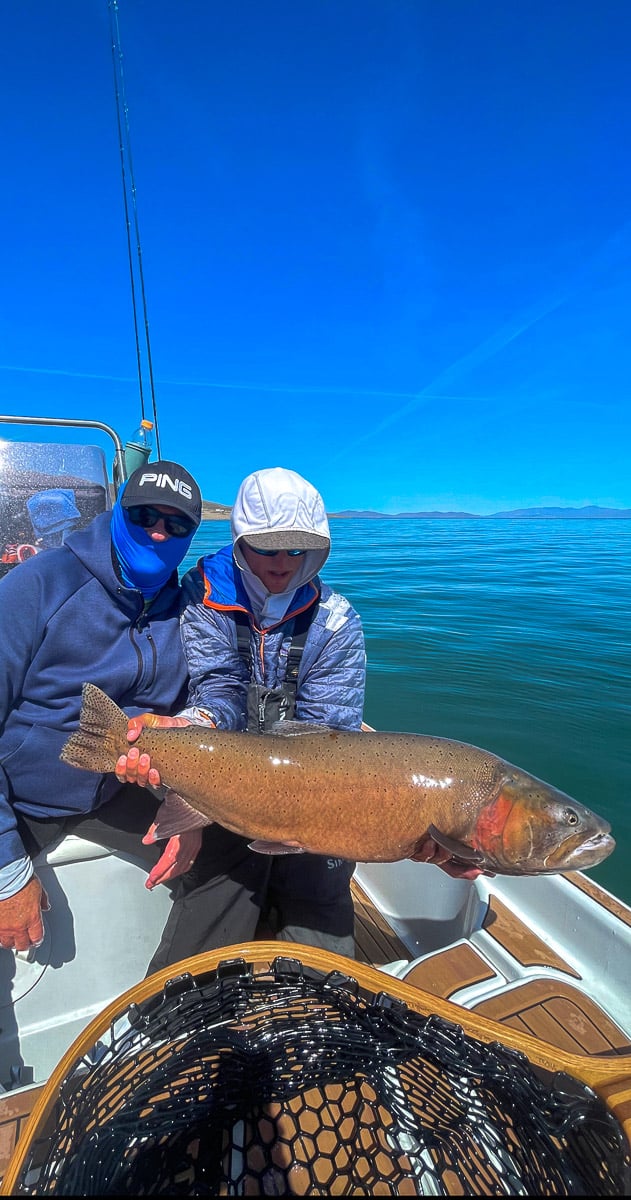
x: 554, y: 1010
x: 14, y: 1111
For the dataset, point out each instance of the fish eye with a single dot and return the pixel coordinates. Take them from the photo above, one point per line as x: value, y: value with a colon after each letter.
x: 571, y: 816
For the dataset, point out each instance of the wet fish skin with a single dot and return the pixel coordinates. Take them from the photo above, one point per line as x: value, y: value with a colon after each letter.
x: 369, y: 797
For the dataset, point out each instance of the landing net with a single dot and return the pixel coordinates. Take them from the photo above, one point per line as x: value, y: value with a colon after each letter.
x: 295, y: 1082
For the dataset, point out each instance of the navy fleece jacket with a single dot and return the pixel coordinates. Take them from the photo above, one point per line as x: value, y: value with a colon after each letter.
x: 66, y: 619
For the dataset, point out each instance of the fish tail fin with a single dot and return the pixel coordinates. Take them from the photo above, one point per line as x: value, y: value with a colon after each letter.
x: 102, y: 734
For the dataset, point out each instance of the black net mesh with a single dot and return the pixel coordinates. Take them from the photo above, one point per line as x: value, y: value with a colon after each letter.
x: 296, y: 1082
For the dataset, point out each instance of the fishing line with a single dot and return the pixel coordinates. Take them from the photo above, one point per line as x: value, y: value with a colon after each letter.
x: 129, y: 191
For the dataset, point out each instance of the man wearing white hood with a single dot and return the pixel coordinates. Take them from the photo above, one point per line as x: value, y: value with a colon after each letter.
x: 265, y: 639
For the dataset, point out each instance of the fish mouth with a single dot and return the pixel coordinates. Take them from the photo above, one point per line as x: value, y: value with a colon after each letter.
x: 588, y: 853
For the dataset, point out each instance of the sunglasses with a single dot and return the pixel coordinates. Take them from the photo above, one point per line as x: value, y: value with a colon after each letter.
x: 273, y: 553
x: 176, y: 524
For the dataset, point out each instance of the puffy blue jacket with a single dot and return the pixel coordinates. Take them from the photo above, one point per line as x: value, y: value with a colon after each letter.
x: 332, y: 675
x: 66, y: 619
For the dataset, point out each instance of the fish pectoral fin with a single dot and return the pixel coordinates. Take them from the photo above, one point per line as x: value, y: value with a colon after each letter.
x: 175, y: 815
x: 296, y: 728
x: 263, y: 847
x: 457, y: 849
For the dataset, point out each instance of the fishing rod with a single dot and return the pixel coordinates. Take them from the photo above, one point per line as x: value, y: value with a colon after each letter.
x: 129, y: 201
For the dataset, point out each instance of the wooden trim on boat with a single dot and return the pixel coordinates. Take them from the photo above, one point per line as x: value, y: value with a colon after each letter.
x: 558, y: 1013
x: 14, y: 1112
x: 524, y: 945
x: 448, y: 971
x: 547, y: 1008
x: 375, y: 940
x: 616, y: 907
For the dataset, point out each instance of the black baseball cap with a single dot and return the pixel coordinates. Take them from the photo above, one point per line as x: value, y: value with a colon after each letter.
x: 164, y: 482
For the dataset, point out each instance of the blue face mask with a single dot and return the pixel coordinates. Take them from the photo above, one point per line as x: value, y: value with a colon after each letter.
x: 144, y: 564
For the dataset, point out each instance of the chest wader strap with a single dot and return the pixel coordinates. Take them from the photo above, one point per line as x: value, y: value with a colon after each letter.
x: 298, y: 639
x: 268, y: 705
x: 243, y: 639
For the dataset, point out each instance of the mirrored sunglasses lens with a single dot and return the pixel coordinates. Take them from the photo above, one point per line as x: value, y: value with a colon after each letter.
x: 273, y: 553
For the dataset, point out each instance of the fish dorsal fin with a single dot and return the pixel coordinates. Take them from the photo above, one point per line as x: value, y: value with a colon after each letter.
x: 298, y: 728
x: 459, y: 850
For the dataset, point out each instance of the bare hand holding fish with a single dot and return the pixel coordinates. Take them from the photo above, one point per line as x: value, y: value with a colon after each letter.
x: 369, y: 797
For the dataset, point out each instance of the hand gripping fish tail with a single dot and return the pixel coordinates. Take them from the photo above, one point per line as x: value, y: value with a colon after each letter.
x: 102, y: 734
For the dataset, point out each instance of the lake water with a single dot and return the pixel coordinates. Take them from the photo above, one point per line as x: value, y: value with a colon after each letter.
x: 514, y: 635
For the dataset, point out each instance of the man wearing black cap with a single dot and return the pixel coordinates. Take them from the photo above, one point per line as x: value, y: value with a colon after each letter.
x: 104, y: 607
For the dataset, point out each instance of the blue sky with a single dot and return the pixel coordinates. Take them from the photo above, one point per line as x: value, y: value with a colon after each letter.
x: 385, y: 242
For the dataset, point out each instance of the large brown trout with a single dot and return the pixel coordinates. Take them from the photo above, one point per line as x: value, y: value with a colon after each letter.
x: 371, y: 797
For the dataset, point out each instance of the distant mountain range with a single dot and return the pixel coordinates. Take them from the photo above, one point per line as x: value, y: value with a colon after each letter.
x: 589, y: 512
x: 221, y: 512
